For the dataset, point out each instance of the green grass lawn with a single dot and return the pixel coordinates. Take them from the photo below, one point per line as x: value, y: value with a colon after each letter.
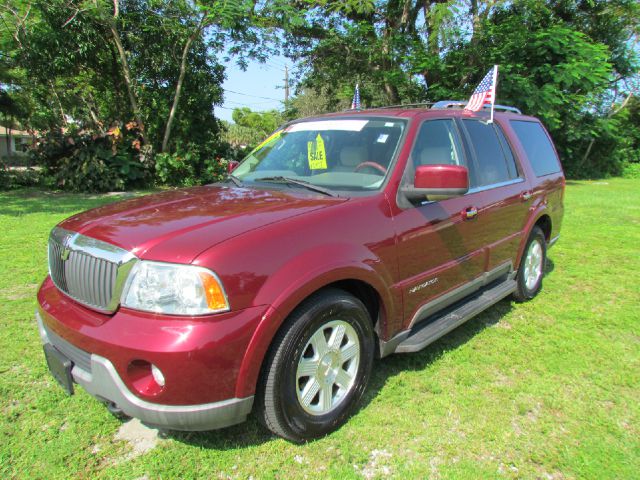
x: 548, y: 389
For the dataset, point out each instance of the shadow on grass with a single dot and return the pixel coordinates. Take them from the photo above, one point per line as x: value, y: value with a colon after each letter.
x: 252, y: 433
x: 30, y: 201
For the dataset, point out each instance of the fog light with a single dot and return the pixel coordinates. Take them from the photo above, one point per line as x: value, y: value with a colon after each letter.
x: 145, y: 378
x: 157, y: 375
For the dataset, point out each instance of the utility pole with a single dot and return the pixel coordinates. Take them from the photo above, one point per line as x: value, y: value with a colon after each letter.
x: 286, y: 83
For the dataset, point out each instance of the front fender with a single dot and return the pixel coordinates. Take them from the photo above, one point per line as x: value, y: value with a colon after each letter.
x: 312, y: 270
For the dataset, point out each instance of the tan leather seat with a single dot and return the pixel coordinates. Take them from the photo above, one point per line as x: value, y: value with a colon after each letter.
x: 350, y: 157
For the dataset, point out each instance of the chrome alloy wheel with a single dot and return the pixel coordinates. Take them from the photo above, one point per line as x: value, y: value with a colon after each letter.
x: 533, y: 264
x: 327, y: 368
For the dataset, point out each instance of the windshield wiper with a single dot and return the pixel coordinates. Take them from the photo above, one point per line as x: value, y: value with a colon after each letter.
x: 295, y: 181
x: 237, y: 182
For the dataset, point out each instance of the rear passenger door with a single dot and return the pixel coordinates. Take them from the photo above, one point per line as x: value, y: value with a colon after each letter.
x: 500, y: 193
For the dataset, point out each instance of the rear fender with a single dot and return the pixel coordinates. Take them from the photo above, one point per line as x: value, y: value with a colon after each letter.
x: 538, y: 211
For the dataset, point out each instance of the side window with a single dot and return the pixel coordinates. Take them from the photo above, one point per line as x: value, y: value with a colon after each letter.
x: 511, y: 162
x: 537, y: 146
x: 437, y: 143
x: 491, y: 162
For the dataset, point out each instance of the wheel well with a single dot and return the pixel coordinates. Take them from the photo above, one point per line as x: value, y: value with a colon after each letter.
x: 359, y: 289
x: 544, y: 222
x: 363, y: 292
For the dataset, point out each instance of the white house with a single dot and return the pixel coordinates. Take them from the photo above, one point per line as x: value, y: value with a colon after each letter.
x: 14, y: 143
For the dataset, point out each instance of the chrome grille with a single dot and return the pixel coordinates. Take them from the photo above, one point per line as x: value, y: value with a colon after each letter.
x: 90, y: 271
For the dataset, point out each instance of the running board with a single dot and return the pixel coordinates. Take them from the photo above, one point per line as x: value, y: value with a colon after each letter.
x: 441, y: 324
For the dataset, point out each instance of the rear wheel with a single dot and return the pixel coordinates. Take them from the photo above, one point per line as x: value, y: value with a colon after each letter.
x: 531, y: 272
x: 318, y: 367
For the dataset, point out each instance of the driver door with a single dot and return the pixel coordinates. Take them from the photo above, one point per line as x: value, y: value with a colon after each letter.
x: 439, y: 249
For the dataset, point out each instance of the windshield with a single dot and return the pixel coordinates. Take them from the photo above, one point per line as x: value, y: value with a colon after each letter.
x: 337, y: 154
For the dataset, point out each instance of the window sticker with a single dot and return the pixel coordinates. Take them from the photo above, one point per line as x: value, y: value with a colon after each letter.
x: 268, y: 140
x: 316, y: 154
x: 382, y: 138
x: 347, y: 125
x: 389, y: 124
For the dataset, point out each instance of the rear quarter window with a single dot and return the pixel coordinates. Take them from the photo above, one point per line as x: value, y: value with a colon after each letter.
x: 537, y: 146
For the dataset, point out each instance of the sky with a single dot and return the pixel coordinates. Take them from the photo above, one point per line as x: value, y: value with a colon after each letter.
x: 260, y: 87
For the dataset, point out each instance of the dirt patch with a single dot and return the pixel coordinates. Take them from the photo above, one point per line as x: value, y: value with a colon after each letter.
x: 141, y: 438
x: 20, y: 292
x: 376, y: 466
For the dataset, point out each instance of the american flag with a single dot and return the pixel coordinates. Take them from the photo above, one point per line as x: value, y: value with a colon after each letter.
x: 485, y: 92
x: 355, y: 103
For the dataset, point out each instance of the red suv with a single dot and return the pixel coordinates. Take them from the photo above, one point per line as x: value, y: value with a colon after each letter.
x: 339, y: 239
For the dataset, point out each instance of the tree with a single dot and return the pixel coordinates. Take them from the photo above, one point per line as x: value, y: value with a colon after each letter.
x: 560, y: 60
x: 250, y: 127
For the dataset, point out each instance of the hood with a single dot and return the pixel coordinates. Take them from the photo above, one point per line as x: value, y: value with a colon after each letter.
x: 176, y: 226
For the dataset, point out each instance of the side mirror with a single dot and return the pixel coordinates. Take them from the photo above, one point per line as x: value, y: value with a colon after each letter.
x: 231, y: 165
x: 442, y: 181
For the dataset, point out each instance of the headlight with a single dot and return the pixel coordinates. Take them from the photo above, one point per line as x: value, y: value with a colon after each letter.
x: 174, y: 289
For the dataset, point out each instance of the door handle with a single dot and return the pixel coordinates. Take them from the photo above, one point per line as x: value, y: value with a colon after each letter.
x: 470, y: 213
x: 526, y: 195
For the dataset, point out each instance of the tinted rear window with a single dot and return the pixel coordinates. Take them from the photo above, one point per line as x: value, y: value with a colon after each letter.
x: 538, y: 147
x: 492, y: 163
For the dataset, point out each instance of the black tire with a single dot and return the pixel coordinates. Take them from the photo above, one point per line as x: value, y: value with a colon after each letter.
x: 278, y: 405
x: 523, y: 291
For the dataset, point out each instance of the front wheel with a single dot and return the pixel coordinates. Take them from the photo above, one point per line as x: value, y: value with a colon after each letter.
x: 318, y: 367
x: 531, y: 272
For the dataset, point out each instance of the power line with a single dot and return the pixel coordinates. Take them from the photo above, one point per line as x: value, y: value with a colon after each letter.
x: 249, y: 95
x: 277, y: 63
x: 249, y: 104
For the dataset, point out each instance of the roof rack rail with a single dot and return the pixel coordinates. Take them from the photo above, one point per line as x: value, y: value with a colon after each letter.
x: 445, y: 104
x: 420, y: 104
x: 401, y: 105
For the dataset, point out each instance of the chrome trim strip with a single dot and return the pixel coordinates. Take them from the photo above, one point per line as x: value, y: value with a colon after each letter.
x: 459, y: 293
x: 402, y: 190
x: 495, y: 185
x: 553, y: 241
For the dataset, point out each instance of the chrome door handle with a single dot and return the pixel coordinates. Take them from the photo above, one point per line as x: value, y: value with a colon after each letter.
x: 526, y: 195
x: 469, y: 213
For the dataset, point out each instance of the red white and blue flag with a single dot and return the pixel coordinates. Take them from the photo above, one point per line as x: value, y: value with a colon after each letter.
x: 355, y: 103
x: 485, y: 92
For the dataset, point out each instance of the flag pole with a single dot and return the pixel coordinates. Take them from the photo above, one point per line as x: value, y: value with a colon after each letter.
x: 495, y: 90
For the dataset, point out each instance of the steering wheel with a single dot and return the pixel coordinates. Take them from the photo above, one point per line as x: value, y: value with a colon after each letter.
x: 373, y: 165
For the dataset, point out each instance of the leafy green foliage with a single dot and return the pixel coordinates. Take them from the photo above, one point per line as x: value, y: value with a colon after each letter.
x: 91, y: 162
x: 193, y: 167
x: 250, y: 128
x: 567, y: 62
x: 82, y: 64
x: 13, y: 179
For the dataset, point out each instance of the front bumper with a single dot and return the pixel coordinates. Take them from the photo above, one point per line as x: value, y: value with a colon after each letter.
x: 98, y: 377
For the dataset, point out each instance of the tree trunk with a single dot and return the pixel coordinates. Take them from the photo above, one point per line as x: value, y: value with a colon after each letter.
x: 127, y: 77
x: 55, y: 94
x: 9, y: 138
x: 176, y: 95
x: 94, y: 118
x: 393, y: 97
